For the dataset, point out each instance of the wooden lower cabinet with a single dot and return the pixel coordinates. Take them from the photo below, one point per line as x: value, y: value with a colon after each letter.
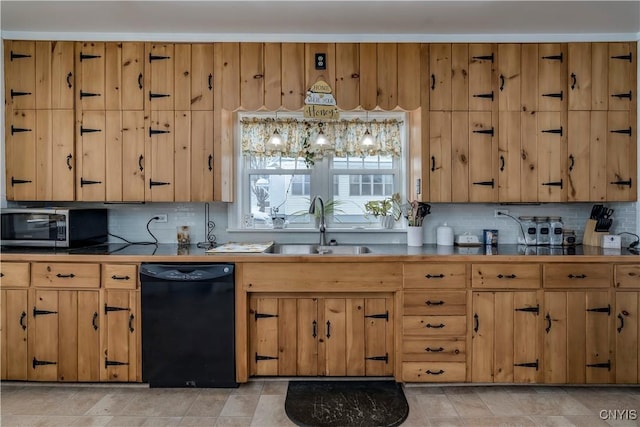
x: 505, y: 337
x: 119, y: 336
x: 13, y: 322
x: 64, y: 339
x: 627, y: 327
x: 321, y: 335
x: 577, y: 337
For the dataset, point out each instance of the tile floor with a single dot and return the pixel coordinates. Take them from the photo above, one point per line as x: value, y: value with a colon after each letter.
x: 261, y: 403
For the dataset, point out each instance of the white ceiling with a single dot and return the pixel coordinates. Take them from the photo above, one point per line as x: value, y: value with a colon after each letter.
x: 327, y: 19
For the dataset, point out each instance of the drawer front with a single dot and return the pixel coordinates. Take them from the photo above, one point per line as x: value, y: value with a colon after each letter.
x: 429, y: 276
x: 430, y: 350
x: 435, y: 302
x: 63, y: 274
x: 434, y: 325
x: 577, y: 275
x: 434, y: 371
x: 513, y: 276
x: 627, y: 276
x: 14, y: 274
x: 119, y: 276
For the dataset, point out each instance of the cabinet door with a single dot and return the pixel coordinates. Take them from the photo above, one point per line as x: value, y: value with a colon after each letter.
x: 333, y: 346
x: 509, y: 76
x: 378, y: 332
x: 182, y: 156
x: 580, y: 76
x: 622, y: 151
x: 119, y: 335
x: 43, y: 336
x: 483, y: 149
x: 387, y: 59
x: 579, y: 145
x: 552, y: 77
x: 509, y: 161
x: 529, y: 78
x: 440, y: 150
x: 90, y: 70
x: 20, y: 74
x: 161, y: 76
x: 460, y: 163
x: 627, y: 327
x: 182, y: 76
x: 132, y: 76
x: 229, y: 69
x: 88, y: 335
x: 14, y: 320
x: 482, y: 337
x: 91, y: 153
x: 160, y: 157
x: 55, y: 174
x: 347, y: 90
x: 20, y: 149
x: 440, y: 67
x: 201, y: 77
x: 252, y: 76
x: 263, y: 330
x: 551, y: 156
x: 598, y: 333
x: 622, y: 76
x: 482, y: 94
x: 556, y: 310
x: 202, y: 156
x: 55, y: 75
x: 293, y: 82
x: 307, y: 334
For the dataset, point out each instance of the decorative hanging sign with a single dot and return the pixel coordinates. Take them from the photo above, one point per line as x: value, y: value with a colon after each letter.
x: 320, y: 103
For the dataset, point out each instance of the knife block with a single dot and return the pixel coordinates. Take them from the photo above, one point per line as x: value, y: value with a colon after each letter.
x: 591, y: 236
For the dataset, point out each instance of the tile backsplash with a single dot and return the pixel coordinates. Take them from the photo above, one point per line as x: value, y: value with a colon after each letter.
x: 130, y: 222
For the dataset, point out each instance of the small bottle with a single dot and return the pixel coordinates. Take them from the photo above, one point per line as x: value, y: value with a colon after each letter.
x: 530, y: 230
x: 542, y: 225
x: 556, y: 229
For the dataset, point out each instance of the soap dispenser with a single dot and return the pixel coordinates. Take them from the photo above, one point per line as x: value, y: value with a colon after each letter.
x: 444, y: 235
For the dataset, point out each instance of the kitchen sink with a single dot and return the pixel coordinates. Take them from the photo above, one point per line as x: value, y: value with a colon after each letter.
x: 301, y: 249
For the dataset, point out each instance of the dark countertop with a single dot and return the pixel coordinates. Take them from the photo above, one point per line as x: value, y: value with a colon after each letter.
x: 165, y: 250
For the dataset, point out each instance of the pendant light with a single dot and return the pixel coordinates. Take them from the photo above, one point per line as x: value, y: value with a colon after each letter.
x: 276, y: 142
x: 321, y: 139
x: 367, y: 141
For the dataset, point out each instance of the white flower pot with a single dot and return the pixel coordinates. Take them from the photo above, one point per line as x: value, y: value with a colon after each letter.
x: 414, y: 236
x: 386, y: 221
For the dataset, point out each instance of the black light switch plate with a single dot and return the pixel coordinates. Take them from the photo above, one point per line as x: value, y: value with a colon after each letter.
x: 321, y: 61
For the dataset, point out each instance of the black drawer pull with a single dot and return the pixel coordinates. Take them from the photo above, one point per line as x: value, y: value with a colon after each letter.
x: 620, y: 317
x: 65, y: 276
x: 210, y: 162
x: 429, y: 325
x: 548, y: 319
x: 577, y: 276
x: 429, y: 302
x: 140, y: 160
x: 508, y: 276
x: 430, y: 372
x: 140, y: 81
x: 210, y: 81
x: 574, y: 81
x: 114, y: 277
x: 476, y: 322
x: 94, y: 321
x: 69, y: 158
x: 434, y: 350
x: 435, y: 276
x: 131, y: 318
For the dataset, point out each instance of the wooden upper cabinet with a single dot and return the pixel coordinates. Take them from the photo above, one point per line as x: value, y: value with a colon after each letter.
x: 201, y: 77
x: 160, y: 157
x: 90, y: 70
x: 201, y: 152
x: 347, y: 87
x: 460, y: 162
x: 159, y: 79
x: 482, y: 63
x: 529, y: 77
x: 483, y: 149
x: 293, y: 80
x: 440, y: 156
x: 91, y: 153
x: 124, y: 78
x: 182, y: 76
x: 227, y: 65
x: 552, y: 77
x: 581, y: 76
x: 20, y: 74
x: 622, y: 154
x: 440, y: 68
x: 509, y: 76
x: 54, y: 75
x: 320, y: 64
x: 622, y: 76
x: 252, y: 76
x: 509, y: 157
x: 388, y: 75
x: 552, y: 155
x: 20, y: 154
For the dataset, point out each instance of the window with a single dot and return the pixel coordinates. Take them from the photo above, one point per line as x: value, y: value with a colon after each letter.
x: 277, y: 183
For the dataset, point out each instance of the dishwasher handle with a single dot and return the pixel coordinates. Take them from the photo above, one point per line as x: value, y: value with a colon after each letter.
x: 185, y: 272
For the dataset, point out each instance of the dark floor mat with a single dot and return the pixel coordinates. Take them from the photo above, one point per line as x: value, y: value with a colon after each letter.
x: 346, y: 403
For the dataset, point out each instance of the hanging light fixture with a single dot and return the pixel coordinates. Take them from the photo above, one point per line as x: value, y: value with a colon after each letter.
x: 367, y: 140
x: 321, y: 139
x: 276, y: 142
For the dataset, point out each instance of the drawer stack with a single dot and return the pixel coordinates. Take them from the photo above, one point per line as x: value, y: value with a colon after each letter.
x: 434, y: 323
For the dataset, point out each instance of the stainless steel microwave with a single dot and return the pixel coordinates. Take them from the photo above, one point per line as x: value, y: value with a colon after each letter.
x: 54, y: 227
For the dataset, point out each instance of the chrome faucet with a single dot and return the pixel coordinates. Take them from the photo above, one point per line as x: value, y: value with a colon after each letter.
x: 323, y: 225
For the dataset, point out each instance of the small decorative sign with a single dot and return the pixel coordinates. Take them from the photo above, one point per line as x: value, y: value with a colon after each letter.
x: 320, y: 103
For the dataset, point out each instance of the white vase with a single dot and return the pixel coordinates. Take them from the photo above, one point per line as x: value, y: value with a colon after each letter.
x: 414, y: 236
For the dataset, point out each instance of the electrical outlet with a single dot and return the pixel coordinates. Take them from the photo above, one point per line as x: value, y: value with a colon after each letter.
x: 500, y: 212
x: 161, y: 217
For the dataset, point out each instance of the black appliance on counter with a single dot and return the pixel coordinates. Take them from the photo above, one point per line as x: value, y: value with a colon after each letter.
x: 54, y: 227
x: 188, y: 327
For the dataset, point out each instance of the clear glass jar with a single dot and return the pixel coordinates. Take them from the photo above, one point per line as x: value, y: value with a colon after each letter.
x: 530, y: 230
x: 542, y: 227
x: 556, y: 229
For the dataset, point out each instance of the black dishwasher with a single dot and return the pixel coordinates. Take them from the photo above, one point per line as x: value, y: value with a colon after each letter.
x: 188, y: 332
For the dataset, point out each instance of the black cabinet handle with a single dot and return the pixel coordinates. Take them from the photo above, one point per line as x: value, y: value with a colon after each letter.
x: 69, y: 76
x: 572, y: 161
x: 114, y: 277
x: 548, y: 319
x: 430, y: 326
x: 476, y: 321
x: 430, y: 303
x: 434, y: 350
x: 433, y: 163
x: 328, y: 329
x: 65, y: 276
x: 501, y: 82
x: 508, y: 276
x: 210, y: 162
x: 436, y: 276
x: 621, y: 318
x: 430, y: 372
x: 94, y: 320
x: 140, y: 81
x: 23, y: 315
x: 140, y: 159
x: 131, y: 318
x: 577, y: 276
x: 501, y: 163
x: 69, y: 157
x: 433, y: 81
x: 210, y: 81
x: 573, y: 81
x: 314, y: 329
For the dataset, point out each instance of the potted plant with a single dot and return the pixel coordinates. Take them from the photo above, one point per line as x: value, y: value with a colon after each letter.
x: 330, y: 207
x: 388, y: 210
